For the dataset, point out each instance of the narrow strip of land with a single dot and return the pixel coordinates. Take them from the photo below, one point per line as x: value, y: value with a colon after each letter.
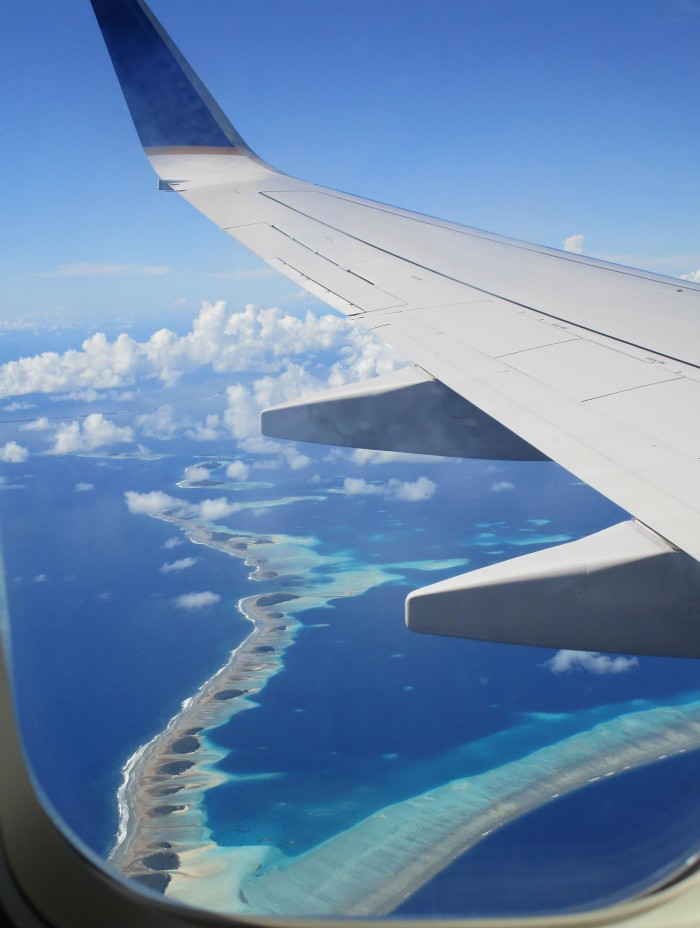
x: 160, y: 800
x: 374, y: 866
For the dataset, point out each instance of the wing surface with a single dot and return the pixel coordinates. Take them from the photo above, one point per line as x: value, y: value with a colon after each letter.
x: 594, y: 365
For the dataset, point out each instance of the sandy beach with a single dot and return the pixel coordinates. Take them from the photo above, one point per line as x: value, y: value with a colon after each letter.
x: 160, y: 800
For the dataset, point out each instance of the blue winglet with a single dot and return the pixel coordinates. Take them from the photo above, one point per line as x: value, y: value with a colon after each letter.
x: 169, y: 105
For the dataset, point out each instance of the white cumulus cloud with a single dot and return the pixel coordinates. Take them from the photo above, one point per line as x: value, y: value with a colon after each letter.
x: 209, y: 430
x: 249, y: 340
x: 159, y: 424
x: 404, y: 490
x: 412, y: 492
x: 590, y: 661
x: 151, y: 503
x: 284, y: 452
x: 156, y: 502
x: 212, y: 509
x: 12, y: 453
x: 237, y: 470
x: 93, y: 432
x: 502, y: 486
x: 84, y: 487
x: 191, y: 601
x: 694, y: 276
x: 196, y: 474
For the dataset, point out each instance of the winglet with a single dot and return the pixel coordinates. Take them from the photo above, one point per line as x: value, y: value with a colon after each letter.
x: 171, y: 108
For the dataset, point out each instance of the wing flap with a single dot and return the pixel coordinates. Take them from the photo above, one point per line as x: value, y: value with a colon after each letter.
x: 622, y: 590
x: 403, y: 411
x: 289, y: 255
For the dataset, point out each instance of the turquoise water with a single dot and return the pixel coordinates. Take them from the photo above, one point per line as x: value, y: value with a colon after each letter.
x: 363, y: 713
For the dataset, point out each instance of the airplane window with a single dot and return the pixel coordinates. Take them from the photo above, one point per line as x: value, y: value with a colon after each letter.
x: 215, y: 686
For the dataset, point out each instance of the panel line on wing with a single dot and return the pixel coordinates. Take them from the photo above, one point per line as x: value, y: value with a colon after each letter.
x: 642, y: 386
x: 655, y: 481
x: 480, y: 234
x: 623, y: 272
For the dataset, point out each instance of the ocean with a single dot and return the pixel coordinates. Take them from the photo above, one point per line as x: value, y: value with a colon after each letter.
x: 363, y: 713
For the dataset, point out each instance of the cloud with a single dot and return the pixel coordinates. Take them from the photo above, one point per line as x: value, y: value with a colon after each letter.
x: 18, y: 325
x: 12, y: 453
x: 196, y: 474
x: 363, y: 456
x: 357, y: 486
x: 84, y: 487
x: 296, y: 460
x: 36, y: 425
x: 16, y: 407
x: 502, y: 486
x: 405, y: 491
x: 574, y: 243
x: 156, y: 502
x: 257, y: 444
x: 80, y: 396
x: 209, y: 430
x: 237, y: 471
x: 87, y: 269
x: 271, y: 341
x: 173, y: 567
x: 693, y: 276
x: 212, y: 509
x: 40, y: 578
x: 590, y: 661
x: 421, y: 489
x: 172, y: 542
x: 151, y: 503
x: 158, y: 424
x: 191, y: 601
x: 93, y: 432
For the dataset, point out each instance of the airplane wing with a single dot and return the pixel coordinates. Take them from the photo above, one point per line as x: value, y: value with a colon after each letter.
x: 520, y: 352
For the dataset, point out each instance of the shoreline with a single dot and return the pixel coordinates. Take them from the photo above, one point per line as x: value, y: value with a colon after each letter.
x: 371, y: 868
x: 164, y: 781
x: 162, y: 821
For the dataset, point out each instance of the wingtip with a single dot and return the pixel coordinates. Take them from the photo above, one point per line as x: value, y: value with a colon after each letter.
x: 170, y: 106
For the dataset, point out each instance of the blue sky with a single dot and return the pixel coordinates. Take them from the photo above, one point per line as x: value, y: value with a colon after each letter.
x: 539, y: 120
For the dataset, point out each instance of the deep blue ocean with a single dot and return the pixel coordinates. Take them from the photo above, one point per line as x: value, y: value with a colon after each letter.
x: 364, y: 712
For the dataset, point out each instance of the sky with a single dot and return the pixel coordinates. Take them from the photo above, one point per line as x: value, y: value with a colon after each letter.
x: 549, y: 121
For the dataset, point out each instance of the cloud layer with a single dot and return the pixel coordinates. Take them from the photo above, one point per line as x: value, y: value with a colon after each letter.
x: 264, y: 340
